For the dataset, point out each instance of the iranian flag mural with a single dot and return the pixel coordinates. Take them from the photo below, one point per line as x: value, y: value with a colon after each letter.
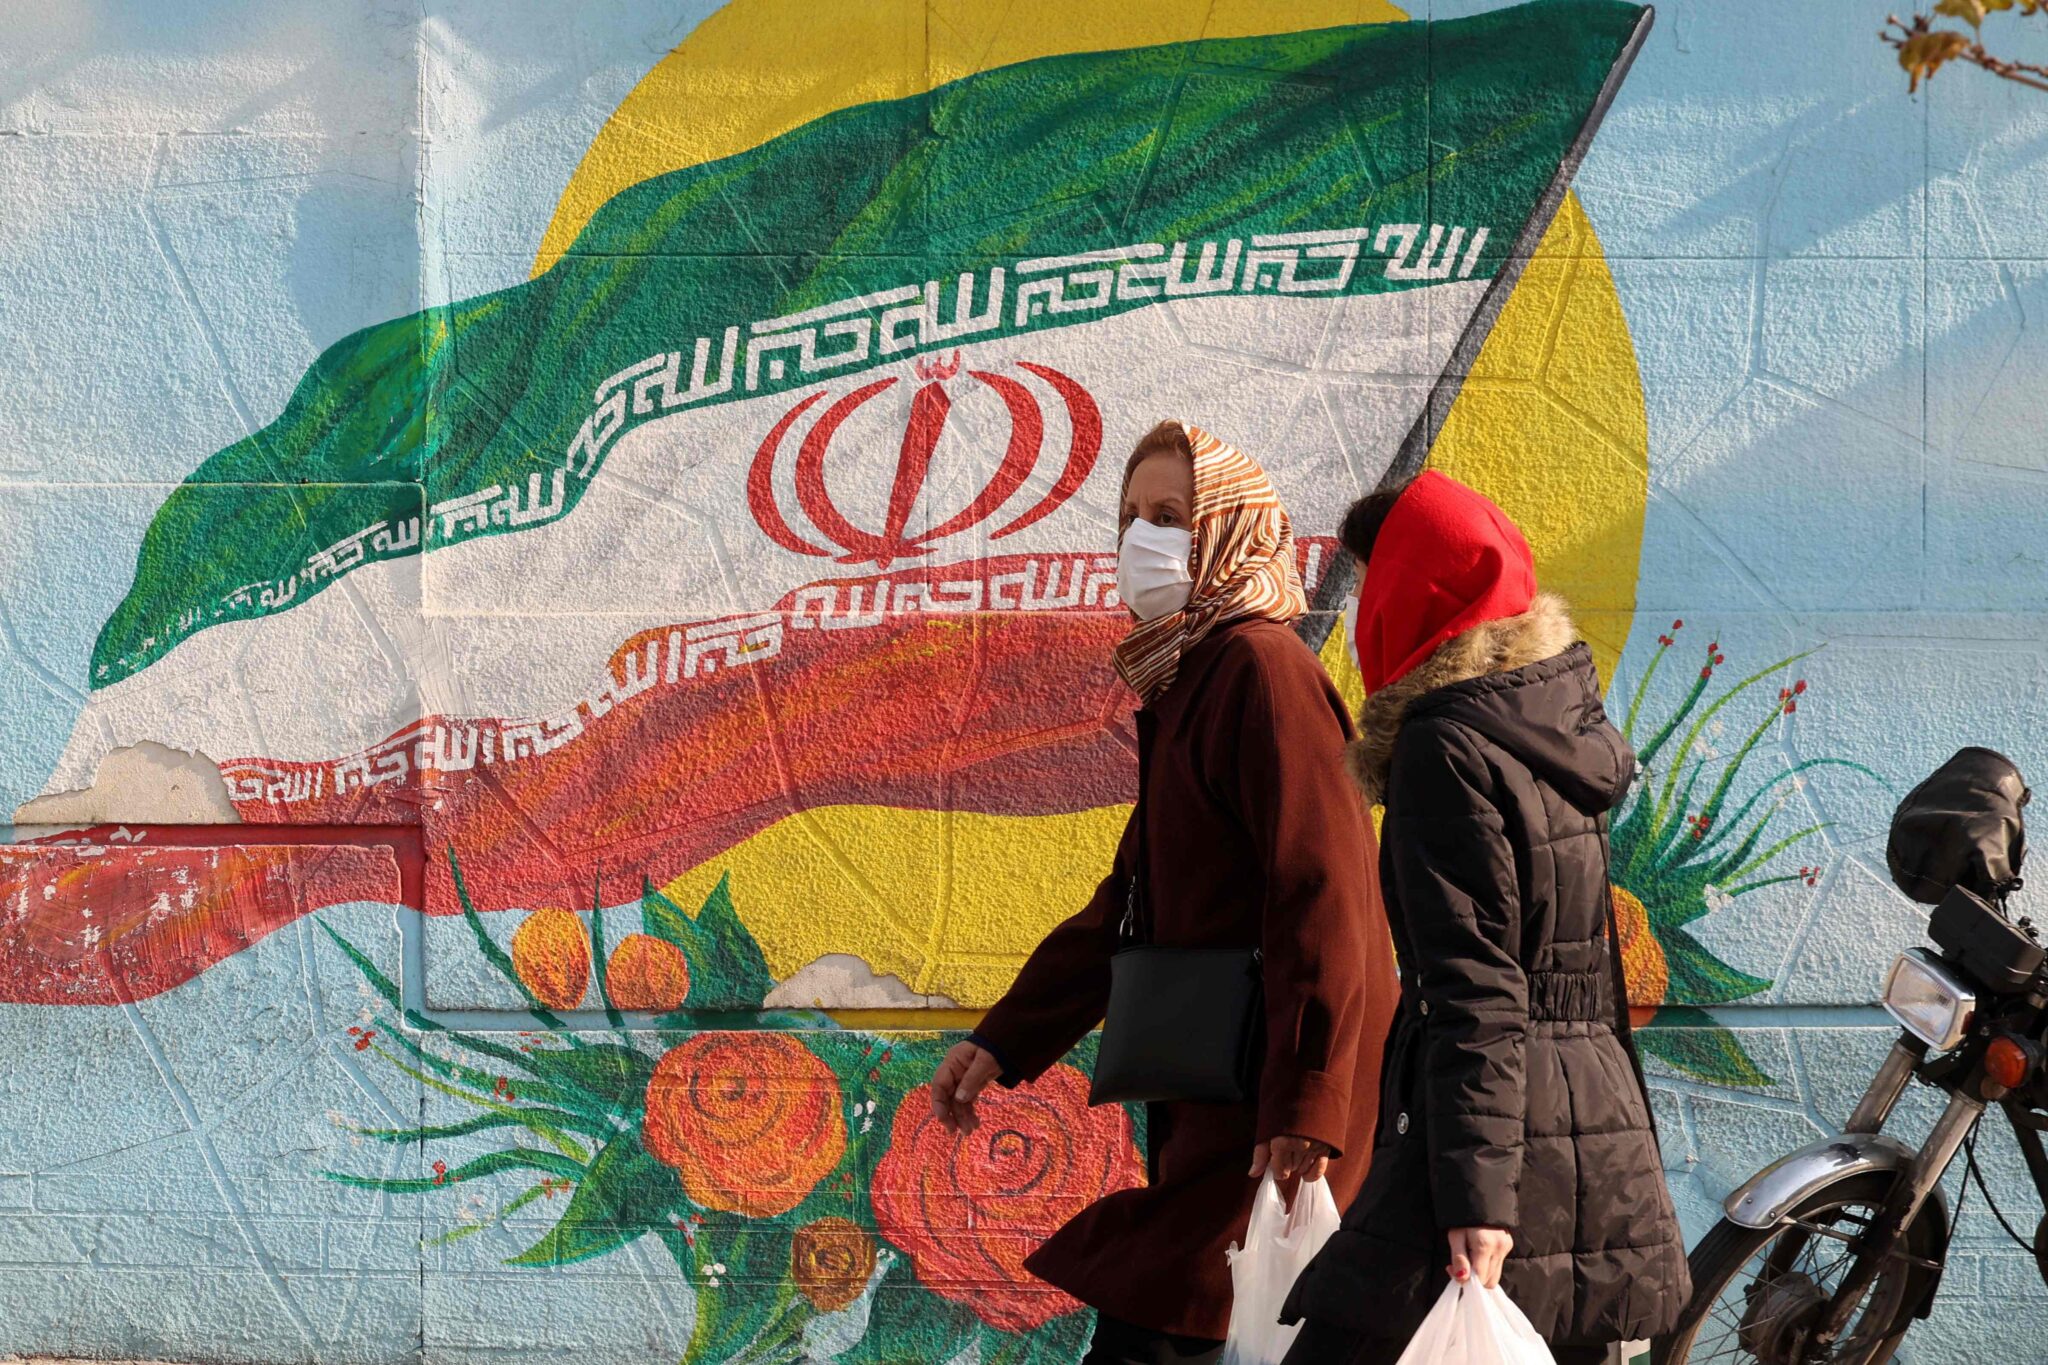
x: 764, y: 540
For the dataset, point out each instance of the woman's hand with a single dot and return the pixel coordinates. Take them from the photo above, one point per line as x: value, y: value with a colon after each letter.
x: 1291, y: 1156
x: 1477, y: 1254
x: 962, y: 1075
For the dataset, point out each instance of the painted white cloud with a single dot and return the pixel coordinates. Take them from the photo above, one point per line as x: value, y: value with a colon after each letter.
x: 841, y: 981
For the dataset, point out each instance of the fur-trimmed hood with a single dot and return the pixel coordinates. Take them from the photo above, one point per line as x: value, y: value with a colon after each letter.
x: 1493, y: 793
x: 1542, y: 632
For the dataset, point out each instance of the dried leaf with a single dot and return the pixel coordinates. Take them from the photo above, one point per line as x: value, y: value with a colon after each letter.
x: 1970, y: 12
x: 1924, y: 53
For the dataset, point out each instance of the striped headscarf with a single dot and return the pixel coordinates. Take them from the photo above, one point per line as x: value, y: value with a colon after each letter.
x: 1242, y: 565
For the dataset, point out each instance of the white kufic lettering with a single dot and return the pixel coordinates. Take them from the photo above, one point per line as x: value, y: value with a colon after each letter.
x: 1285, y: 251
x: 351, y: 773
x: 1101, y: 586
x: 702, y: 384
x: 822, y: 601
x: 447, y: 749
x: 470, y: 511
x: 846, y: 321
x: 338, y: 558
x: 958, y: 594
x: 1209, y: 278
x: 1049, y: 597
x: 402, y: 536
x: 729, y: 644
x: 508, y: 511
x: 658, y: 385
x: 1472, y: 253
x: 595, y: 434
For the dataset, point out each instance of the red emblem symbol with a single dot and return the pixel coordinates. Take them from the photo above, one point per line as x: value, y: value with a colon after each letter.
x: 928, y: 409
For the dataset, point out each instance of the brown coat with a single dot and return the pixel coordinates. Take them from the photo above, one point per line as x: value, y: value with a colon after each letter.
x: 1255, y: 838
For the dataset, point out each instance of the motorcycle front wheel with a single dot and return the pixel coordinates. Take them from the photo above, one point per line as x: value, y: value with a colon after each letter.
x: 1758, y: 1294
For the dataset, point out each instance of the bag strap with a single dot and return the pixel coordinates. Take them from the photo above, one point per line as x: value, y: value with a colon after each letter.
x: 1137, y: 921
x: 1622, y: 1028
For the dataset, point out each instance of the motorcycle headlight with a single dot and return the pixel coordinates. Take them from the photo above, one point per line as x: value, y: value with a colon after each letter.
x: 1929, y: 999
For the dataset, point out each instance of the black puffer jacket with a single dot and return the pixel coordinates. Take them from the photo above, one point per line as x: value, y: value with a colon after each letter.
x: 1511, y: 1095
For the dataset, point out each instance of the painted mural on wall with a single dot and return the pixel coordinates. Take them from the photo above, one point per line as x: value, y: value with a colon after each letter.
x: 1694, y: 833
x: 891, y: 400
x: 701, y: 646
x: 820, y: 1171
x: 892, y: 406
x: 794, y: 1177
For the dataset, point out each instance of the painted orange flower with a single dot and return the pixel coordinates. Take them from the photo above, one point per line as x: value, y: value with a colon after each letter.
x: 750, y: 1121
x: 1642, y: 957
x: 551, y: 953
x: 830, y: 1261
x: 647, y: 973
x: 968, y: 1208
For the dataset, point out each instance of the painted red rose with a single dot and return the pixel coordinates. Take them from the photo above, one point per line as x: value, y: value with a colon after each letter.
x: 968, y: 1208
x: 750, y: 1121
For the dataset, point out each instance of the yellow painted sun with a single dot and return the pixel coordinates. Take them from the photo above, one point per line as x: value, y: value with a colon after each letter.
x: 1550, y: 424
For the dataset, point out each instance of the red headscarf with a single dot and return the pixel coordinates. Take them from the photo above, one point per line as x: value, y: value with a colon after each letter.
x: 1446, y: 560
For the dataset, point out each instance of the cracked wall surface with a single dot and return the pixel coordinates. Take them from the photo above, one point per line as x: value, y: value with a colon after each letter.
x: 554, y: 620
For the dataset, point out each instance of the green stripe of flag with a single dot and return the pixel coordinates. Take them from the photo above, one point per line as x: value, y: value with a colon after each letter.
x: 465, y: 420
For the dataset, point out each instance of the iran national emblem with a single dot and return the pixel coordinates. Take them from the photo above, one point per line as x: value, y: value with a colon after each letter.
x: 894, y: 539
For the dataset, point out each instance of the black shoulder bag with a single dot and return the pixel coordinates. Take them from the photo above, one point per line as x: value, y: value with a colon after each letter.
x: 1182, y: 1023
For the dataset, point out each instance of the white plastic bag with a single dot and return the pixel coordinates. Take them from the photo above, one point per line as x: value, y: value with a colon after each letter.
x: 1278, y: 1245
x: 1474, y: 1326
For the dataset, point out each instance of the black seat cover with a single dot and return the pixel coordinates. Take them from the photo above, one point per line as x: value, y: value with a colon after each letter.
x: 1961, y: 827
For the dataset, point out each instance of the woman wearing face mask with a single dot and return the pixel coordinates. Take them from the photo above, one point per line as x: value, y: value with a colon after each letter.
x: 1515, y: 1143
x: 1252, y: 838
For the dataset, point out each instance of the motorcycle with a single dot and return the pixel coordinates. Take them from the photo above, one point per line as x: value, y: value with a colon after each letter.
x: 1830, y: 1254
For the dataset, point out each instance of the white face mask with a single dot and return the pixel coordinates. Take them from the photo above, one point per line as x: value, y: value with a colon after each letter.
x: 1152, y: 569
x: 1349, y: 625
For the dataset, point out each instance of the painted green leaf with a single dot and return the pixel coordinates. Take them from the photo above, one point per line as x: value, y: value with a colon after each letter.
x: 912, y: 1323
x: 496, y: 955
x: 1700, y: 978
x: 727, y: 970
x: 752, y: 1304
x: 611, y: 1072
x: 388, y: 989
x: 491, y: 1163
x: 530, y: 1117
x: 1059, y: 1341
x: 598, y: 964
x: 876, y: 1070
x: 743, y: 971
x: 1690, y: 1040
x: 486, y: 1088
x: 626, y: 1195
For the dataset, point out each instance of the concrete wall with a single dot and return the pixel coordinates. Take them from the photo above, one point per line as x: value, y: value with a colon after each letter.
x: 555, y: 644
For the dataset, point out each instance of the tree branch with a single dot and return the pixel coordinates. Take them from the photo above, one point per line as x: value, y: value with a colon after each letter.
x: 1924, y: 49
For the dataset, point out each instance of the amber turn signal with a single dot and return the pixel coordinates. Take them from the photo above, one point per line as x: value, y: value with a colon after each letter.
x: 2009, y: 1062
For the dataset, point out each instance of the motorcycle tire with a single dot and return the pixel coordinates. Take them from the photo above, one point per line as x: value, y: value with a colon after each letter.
x: 1770, y: 1337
